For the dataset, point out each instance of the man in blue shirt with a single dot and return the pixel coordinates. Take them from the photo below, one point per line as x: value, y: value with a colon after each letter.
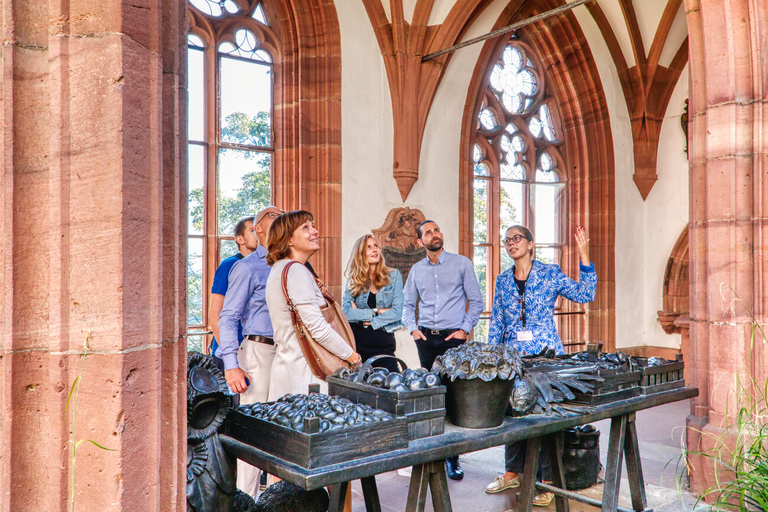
x: 443, y: 284
x: 246, y: 242
x: 247, y: 367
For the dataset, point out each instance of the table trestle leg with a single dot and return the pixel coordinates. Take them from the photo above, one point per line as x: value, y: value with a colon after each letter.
x: 613, y: 463
x: 370, y: 494
x: 417, y: 492
x: 338, y: 497
x: 553, y: 444
x: 527, y: 490
x: 634, y: 467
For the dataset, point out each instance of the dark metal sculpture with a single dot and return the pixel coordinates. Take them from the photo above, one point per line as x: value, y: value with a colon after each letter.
x: 211, y: 473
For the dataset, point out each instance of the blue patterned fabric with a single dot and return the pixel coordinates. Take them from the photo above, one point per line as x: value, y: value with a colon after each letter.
x: 545, y: 282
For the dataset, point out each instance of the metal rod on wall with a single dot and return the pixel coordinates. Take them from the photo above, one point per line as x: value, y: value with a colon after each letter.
x: 509, y: 28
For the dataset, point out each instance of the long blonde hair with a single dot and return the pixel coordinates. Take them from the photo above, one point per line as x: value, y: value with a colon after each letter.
x: 357, y: 269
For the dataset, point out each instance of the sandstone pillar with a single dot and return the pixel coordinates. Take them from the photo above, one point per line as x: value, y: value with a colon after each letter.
x: 729, y: 208
x: 92, y: 243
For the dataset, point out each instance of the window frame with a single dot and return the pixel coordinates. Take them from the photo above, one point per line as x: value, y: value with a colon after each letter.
x: 213, y: 31
x: 492, y: 154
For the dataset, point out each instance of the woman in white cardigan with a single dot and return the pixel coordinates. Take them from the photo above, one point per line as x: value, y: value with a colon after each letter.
x: 293, y: 236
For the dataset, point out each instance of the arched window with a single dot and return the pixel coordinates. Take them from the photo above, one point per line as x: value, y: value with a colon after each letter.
x: 519, y: 173
x: 231, y: 55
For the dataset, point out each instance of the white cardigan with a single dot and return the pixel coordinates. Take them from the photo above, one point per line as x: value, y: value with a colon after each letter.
x: 290, y: 371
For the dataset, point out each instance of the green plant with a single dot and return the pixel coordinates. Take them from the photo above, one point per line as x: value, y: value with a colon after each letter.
x: 740, y: 452
x: 74, y: 393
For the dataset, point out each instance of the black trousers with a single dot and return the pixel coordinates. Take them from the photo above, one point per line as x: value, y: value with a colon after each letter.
x: 432, y: 347
x: 514, y: 461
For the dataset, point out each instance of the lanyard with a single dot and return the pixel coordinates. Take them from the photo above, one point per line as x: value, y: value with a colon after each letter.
x: 522, y: 298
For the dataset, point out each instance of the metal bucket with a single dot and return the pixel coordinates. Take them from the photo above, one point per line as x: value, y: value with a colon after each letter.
x: 475, y: 403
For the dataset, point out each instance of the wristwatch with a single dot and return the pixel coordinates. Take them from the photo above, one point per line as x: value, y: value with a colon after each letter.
x: 466, y: 333
x: 375, y: 311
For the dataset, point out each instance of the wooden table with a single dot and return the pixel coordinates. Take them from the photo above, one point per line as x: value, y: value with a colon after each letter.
x: 427, y: 454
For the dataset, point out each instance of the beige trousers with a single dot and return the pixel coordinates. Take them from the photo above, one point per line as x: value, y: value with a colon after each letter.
x: 256, y: 360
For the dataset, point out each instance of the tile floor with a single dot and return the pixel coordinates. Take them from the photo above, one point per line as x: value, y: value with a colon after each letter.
x: 659, y: 434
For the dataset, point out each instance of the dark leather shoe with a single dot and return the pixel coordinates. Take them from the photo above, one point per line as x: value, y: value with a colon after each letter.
x: 453, y: 469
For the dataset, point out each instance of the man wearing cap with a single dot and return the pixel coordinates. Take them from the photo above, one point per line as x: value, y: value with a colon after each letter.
x: 247, y: 368
x: 443, y: 284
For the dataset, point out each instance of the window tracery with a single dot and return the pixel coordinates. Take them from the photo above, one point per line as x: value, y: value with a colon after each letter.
x: 519, y: 173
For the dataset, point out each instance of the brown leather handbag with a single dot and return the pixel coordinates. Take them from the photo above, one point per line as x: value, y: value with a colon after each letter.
x: 321, y: 361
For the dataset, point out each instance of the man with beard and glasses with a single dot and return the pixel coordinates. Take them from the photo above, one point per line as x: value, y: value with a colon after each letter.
x: 442, y: 284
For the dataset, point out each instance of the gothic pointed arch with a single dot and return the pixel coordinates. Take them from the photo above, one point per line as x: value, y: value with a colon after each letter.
x: 584, y: 157
x: 676, y: 284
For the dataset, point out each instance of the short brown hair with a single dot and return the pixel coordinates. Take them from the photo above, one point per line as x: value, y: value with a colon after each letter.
x: 240, y: 226
x: 279, y: 236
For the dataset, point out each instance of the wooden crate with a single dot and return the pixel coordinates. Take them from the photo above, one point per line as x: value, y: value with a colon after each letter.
x: 617, y: 385
x: 654, y: 379
x: 313, y: 450
x: 424, y: 408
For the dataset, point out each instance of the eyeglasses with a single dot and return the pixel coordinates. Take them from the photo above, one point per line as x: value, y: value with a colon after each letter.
x: 271, y: 215
x: 513, y: 238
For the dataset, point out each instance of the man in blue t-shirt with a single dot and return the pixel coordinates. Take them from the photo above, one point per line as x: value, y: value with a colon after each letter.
x: 247, y: 242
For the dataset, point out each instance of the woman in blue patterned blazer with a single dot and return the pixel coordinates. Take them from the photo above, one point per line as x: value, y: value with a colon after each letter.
x: 524, y: 301
x: 523, y: 315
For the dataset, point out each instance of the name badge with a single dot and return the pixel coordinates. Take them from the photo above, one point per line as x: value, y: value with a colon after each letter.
x: 524, y: 335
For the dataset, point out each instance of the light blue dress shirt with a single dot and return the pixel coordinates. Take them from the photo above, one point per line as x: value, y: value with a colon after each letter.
x: 244, y: 303
x: 443, y: 289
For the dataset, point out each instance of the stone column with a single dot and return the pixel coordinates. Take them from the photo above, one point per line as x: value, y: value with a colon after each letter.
x: 729, y: 209
x: 92, y: 243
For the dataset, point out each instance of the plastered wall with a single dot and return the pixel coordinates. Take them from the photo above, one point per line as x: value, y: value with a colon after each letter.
x: 645, y: 230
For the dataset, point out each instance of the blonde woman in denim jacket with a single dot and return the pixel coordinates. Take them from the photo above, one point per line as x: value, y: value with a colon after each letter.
x: 373, y: 301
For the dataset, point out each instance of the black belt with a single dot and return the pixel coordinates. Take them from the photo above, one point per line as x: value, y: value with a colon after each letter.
x: 259, y: 339
x: 443, y: 333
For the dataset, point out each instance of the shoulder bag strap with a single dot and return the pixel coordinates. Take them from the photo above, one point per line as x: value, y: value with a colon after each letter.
x: 300, y: 328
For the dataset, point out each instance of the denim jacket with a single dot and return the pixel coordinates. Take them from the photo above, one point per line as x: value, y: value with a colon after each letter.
x: 391, y: 296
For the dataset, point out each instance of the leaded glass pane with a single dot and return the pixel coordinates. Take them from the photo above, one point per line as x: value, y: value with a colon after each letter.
x: 195, y: 95
x: 246, y: 102
x: 227, y: 248
x: 548, y: 123
x: 481, y: 211
x: 511, y: 205
x: 244, y: 186
x: 259, y: 15
x: 482, y: 170
x: 196, y: 168
x: 193, y: 40
x: 481, y: 270
x: 534, y: 125
x: 546, y: 207
x: 195, y: 281
x: 246, y: 46
x: 488, y: 119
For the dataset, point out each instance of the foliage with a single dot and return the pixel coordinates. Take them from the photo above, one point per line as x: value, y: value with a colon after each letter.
x: 741, y: 466
x: 253, y: 131
x: 253, y: 195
